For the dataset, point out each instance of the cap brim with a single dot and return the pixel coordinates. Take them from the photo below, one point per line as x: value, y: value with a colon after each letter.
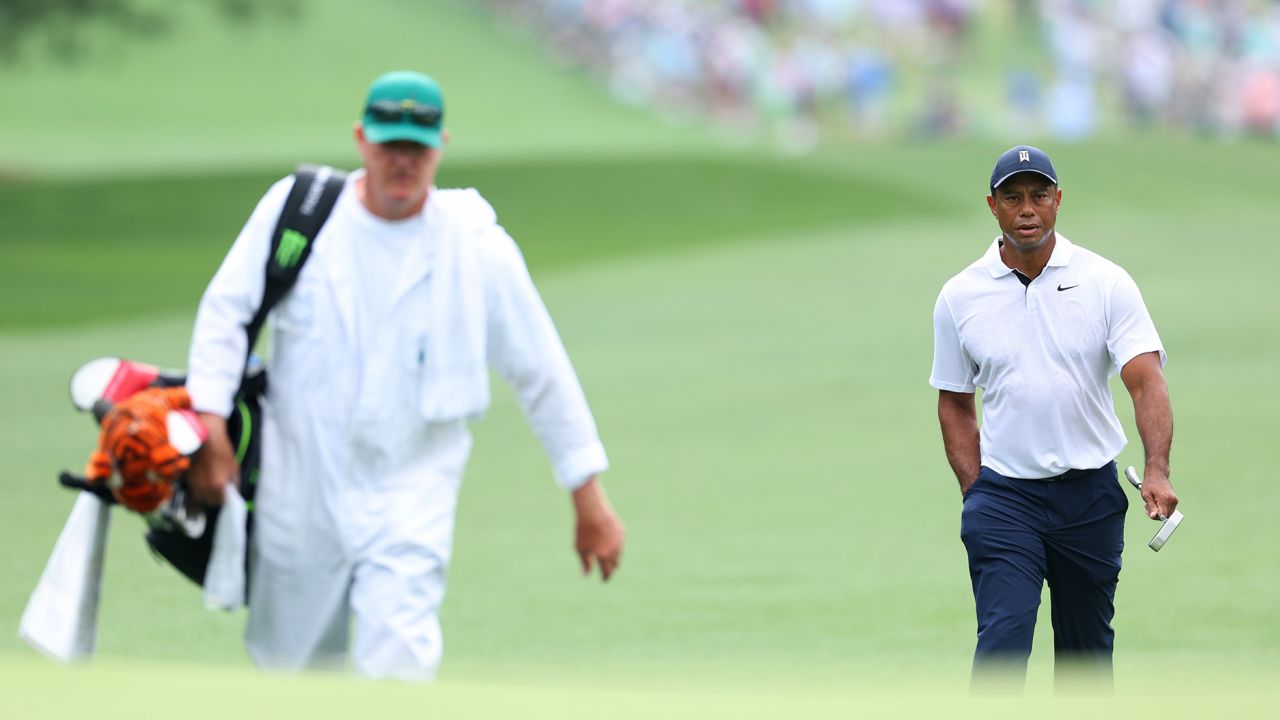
x: 379, y: 133
x: 1045, y: 175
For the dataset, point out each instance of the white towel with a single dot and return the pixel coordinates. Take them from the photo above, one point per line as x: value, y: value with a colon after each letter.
x: 456, y: 380
x: 224, y: 580
x: 61, y: 619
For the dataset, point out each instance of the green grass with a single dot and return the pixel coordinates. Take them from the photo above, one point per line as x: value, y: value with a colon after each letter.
x: 763, y: 396
x: 212, y: 94
x: 90, y: 249
x: 111, y: 690
x: 93, y: 249
x: 754, y: 337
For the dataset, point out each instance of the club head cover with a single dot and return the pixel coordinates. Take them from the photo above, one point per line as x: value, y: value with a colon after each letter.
x: 134, y: 457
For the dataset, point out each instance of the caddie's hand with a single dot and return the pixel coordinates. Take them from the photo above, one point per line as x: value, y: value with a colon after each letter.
x: 214, y: 464
x: 1158, y: 494
x: 599, y: 532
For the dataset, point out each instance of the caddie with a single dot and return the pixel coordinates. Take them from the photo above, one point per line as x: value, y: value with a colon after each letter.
x: 378, y: 357
x: 1040, y: 324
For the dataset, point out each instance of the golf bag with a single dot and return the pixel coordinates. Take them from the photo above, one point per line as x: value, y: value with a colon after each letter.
x: 175, y: 532
x: 185, y: 539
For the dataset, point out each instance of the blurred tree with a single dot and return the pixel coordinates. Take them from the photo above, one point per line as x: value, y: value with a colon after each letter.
x: 61, y: 24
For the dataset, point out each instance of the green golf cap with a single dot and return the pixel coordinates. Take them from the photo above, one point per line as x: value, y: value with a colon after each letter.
x: 404, y: 105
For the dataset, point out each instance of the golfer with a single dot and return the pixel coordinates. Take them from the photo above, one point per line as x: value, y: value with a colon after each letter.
x: 379, y: 357
x: 1040, y: 324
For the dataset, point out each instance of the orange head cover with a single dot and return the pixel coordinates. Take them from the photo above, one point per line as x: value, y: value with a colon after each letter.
x: 134, y: 456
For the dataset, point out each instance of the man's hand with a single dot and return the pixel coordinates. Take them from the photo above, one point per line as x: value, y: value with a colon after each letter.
x: 214, y: 464
x: 1158, y: 494
x: 599, y: 532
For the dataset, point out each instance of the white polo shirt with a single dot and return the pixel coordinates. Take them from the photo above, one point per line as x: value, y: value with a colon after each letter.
x: 1042, y: 354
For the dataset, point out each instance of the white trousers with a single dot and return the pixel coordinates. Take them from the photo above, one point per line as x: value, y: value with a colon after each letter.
x: 366, y: 552
x: 301, y: 614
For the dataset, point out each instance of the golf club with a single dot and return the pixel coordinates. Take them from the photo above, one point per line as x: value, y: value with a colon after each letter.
x: 1170, y: 523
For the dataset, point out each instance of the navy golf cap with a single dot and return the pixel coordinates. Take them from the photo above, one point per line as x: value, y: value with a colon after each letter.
x: 1022, y: 158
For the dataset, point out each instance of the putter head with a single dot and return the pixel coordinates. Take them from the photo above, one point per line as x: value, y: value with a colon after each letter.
x: 1166, y: 531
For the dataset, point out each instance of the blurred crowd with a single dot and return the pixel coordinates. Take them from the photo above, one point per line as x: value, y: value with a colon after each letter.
x: 803, y: 68
x: 1210, y: 65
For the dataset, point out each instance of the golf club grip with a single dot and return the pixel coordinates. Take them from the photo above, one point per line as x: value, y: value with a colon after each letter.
x: 100, y: 409
x: 1131, y: 474
x: 75, y: 482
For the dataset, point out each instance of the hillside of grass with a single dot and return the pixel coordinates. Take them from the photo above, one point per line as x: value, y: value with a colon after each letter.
x: 753, y: 335
x: 208, y: 93
x: 83, y: 250
x: 762, y: 390
x: 775, y: 450
x: 86, y: 250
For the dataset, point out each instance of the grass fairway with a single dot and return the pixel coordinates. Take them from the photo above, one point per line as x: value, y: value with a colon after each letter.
x: 213, y: 94
x: 79, y: 244
x: 793, y: 525
x: 754, y: 336
x: 108, y: 691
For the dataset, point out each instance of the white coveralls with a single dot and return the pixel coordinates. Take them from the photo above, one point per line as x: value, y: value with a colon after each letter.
x: 364, y: 424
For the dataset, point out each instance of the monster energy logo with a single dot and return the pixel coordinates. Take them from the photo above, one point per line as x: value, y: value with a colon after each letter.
x: 292, y: 243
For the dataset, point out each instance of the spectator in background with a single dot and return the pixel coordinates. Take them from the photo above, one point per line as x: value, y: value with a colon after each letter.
x: 869, y: 81
x: 1261, y: 101
x: 1022, y: 95
x: 1148, y: 76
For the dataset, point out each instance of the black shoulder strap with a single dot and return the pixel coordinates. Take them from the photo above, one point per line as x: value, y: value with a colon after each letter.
x: 315, y: 190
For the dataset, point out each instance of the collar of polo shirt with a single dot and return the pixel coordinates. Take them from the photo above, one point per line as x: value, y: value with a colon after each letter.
x: 1063, y: 250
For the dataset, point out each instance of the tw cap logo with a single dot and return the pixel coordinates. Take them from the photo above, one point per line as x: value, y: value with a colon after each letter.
x: 1020, y: 159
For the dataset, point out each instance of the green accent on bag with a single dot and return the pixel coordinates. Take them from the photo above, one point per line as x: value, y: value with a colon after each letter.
x: 292, y: 243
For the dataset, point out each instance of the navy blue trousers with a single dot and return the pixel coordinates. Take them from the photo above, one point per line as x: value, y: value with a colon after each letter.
x: 1020, y: 534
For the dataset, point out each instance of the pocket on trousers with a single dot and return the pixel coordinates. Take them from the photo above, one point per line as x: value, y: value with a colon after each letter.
x: 981, y: 475
x: 1113, y: 491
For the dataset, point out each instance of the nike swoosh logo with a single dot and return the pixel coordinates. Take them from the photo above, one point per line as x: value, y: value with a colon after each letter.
x: 1060, y: 288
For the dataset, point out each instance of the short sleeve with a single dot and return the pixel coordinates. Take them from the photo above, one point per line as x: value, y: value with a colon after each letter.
x: 1130, y: 331
x: 953, y: 369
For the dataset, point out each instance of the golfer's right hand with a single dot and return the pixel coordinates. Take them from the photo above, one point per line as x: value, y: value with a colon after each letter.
x: 214, y: 464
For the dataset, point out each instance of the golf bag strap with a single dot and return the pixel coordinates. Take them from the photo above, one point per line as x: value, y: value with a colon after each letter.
x: 315, y: 191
